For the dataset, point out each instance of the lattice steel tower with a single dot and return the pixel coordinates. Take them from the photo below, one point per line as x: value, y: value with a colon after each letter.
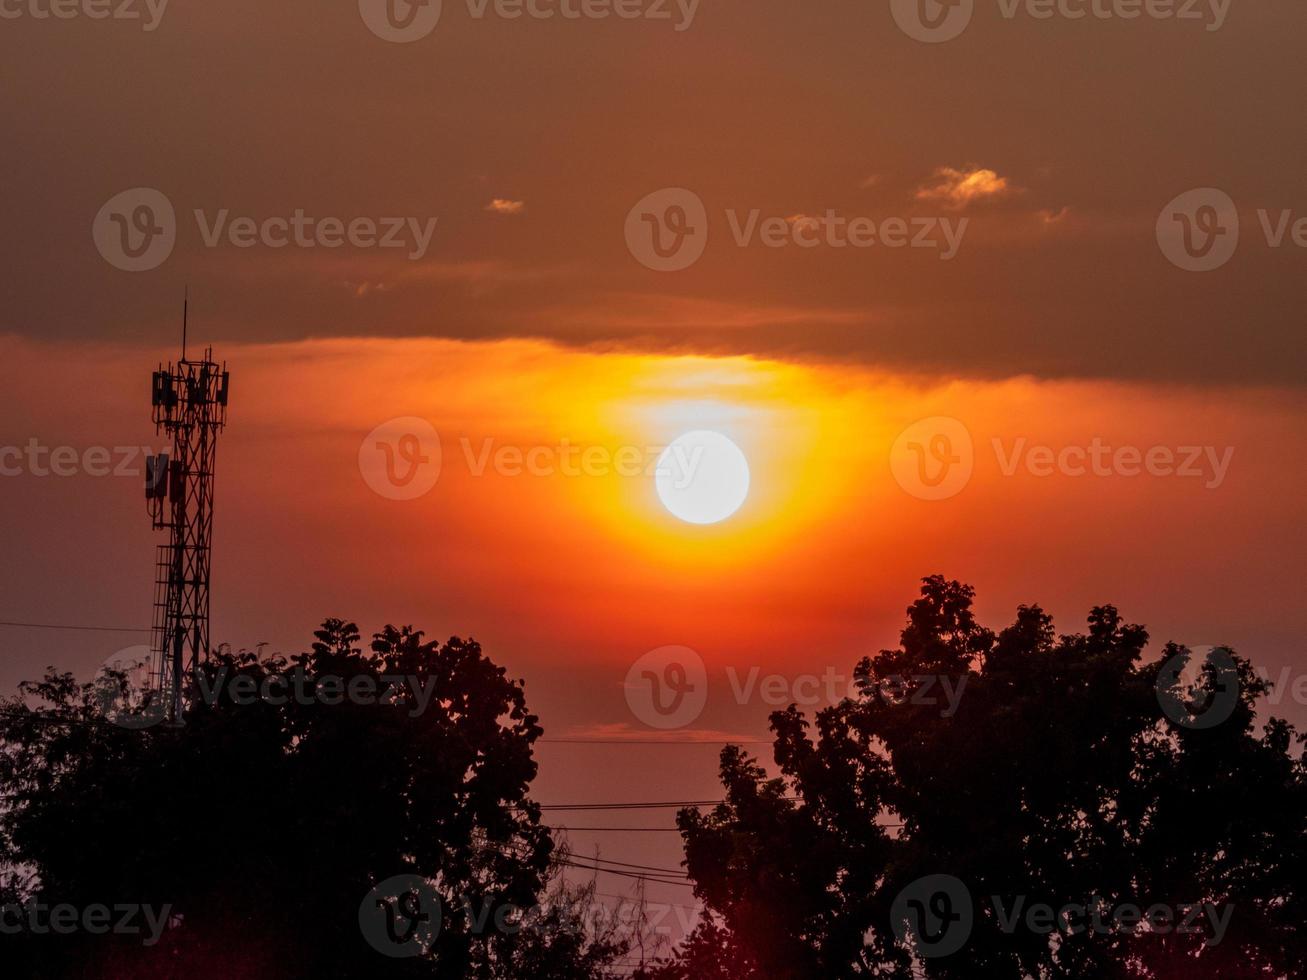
x: 190, y: 407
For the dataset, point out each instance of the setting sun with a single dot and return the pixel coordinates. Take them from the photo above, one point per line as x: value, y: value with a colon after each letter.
x: 702, y: 477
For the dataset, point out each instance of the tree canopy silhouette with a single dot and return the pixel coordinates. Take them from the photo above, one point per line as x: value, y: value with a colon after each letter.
x: 914, y: 829
x: 1060, y: 779
x: 264, y: 823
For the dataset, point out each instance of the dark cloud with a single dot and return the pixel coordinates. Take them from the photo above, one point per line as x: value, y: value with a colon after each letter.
x: 259, y: 111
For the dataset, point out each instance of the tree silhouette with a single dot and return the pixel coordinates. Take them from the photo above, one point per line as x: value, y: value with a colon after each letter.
x: 265, y: 824
x: 1025, y: 768
x: 1059, y: 779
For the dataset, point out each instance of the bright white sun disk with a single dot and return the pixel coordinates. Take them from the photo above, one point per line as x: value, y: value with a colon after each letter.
x: 702, y: 477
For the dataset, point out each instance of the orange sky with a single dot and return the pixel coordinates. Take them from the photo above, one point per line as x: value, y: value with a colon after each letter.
x: 590, y: 571
x: 569, y: 579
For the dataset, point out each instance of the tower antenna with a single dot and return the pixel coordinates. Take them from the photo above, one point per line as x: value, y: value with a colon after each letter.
x: 186, y: 315
x: 189, y: 401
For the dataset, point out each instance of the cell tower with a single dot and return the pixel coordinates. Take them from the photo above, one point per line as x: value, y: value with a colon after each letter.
x: 190, y: 407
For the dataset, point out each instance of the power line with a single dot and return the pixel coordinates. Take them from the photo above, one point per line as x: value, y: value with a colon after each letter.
x: 685, y: 883
x: 654, y: 741
x: 624, y: 830
x: 516, y: 848
x: 32, y: 715
x: 65, y: 626
x: 641, y: 867
x: 644, y: 806
x: 650, y: 830
x: 628, y: 806
x: 644, y: 872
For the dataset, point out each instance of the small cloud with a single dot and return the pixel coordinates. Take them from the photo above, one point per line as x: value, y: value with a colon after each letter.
x: 814, y: 223
x: 870, y: 181
x: 362, y: 289
x: 502, y: 205
x: 959, y: 188
x: 1051, y: 217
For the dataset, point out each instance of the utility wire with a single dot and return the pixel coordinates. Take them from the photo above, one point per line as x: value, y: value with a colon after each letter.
x: 641, y: 867
x: 624, y: 830
x: 643, y: 806
x: 654, y: 741
x: 63, y: 626
x: 515, y: 848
